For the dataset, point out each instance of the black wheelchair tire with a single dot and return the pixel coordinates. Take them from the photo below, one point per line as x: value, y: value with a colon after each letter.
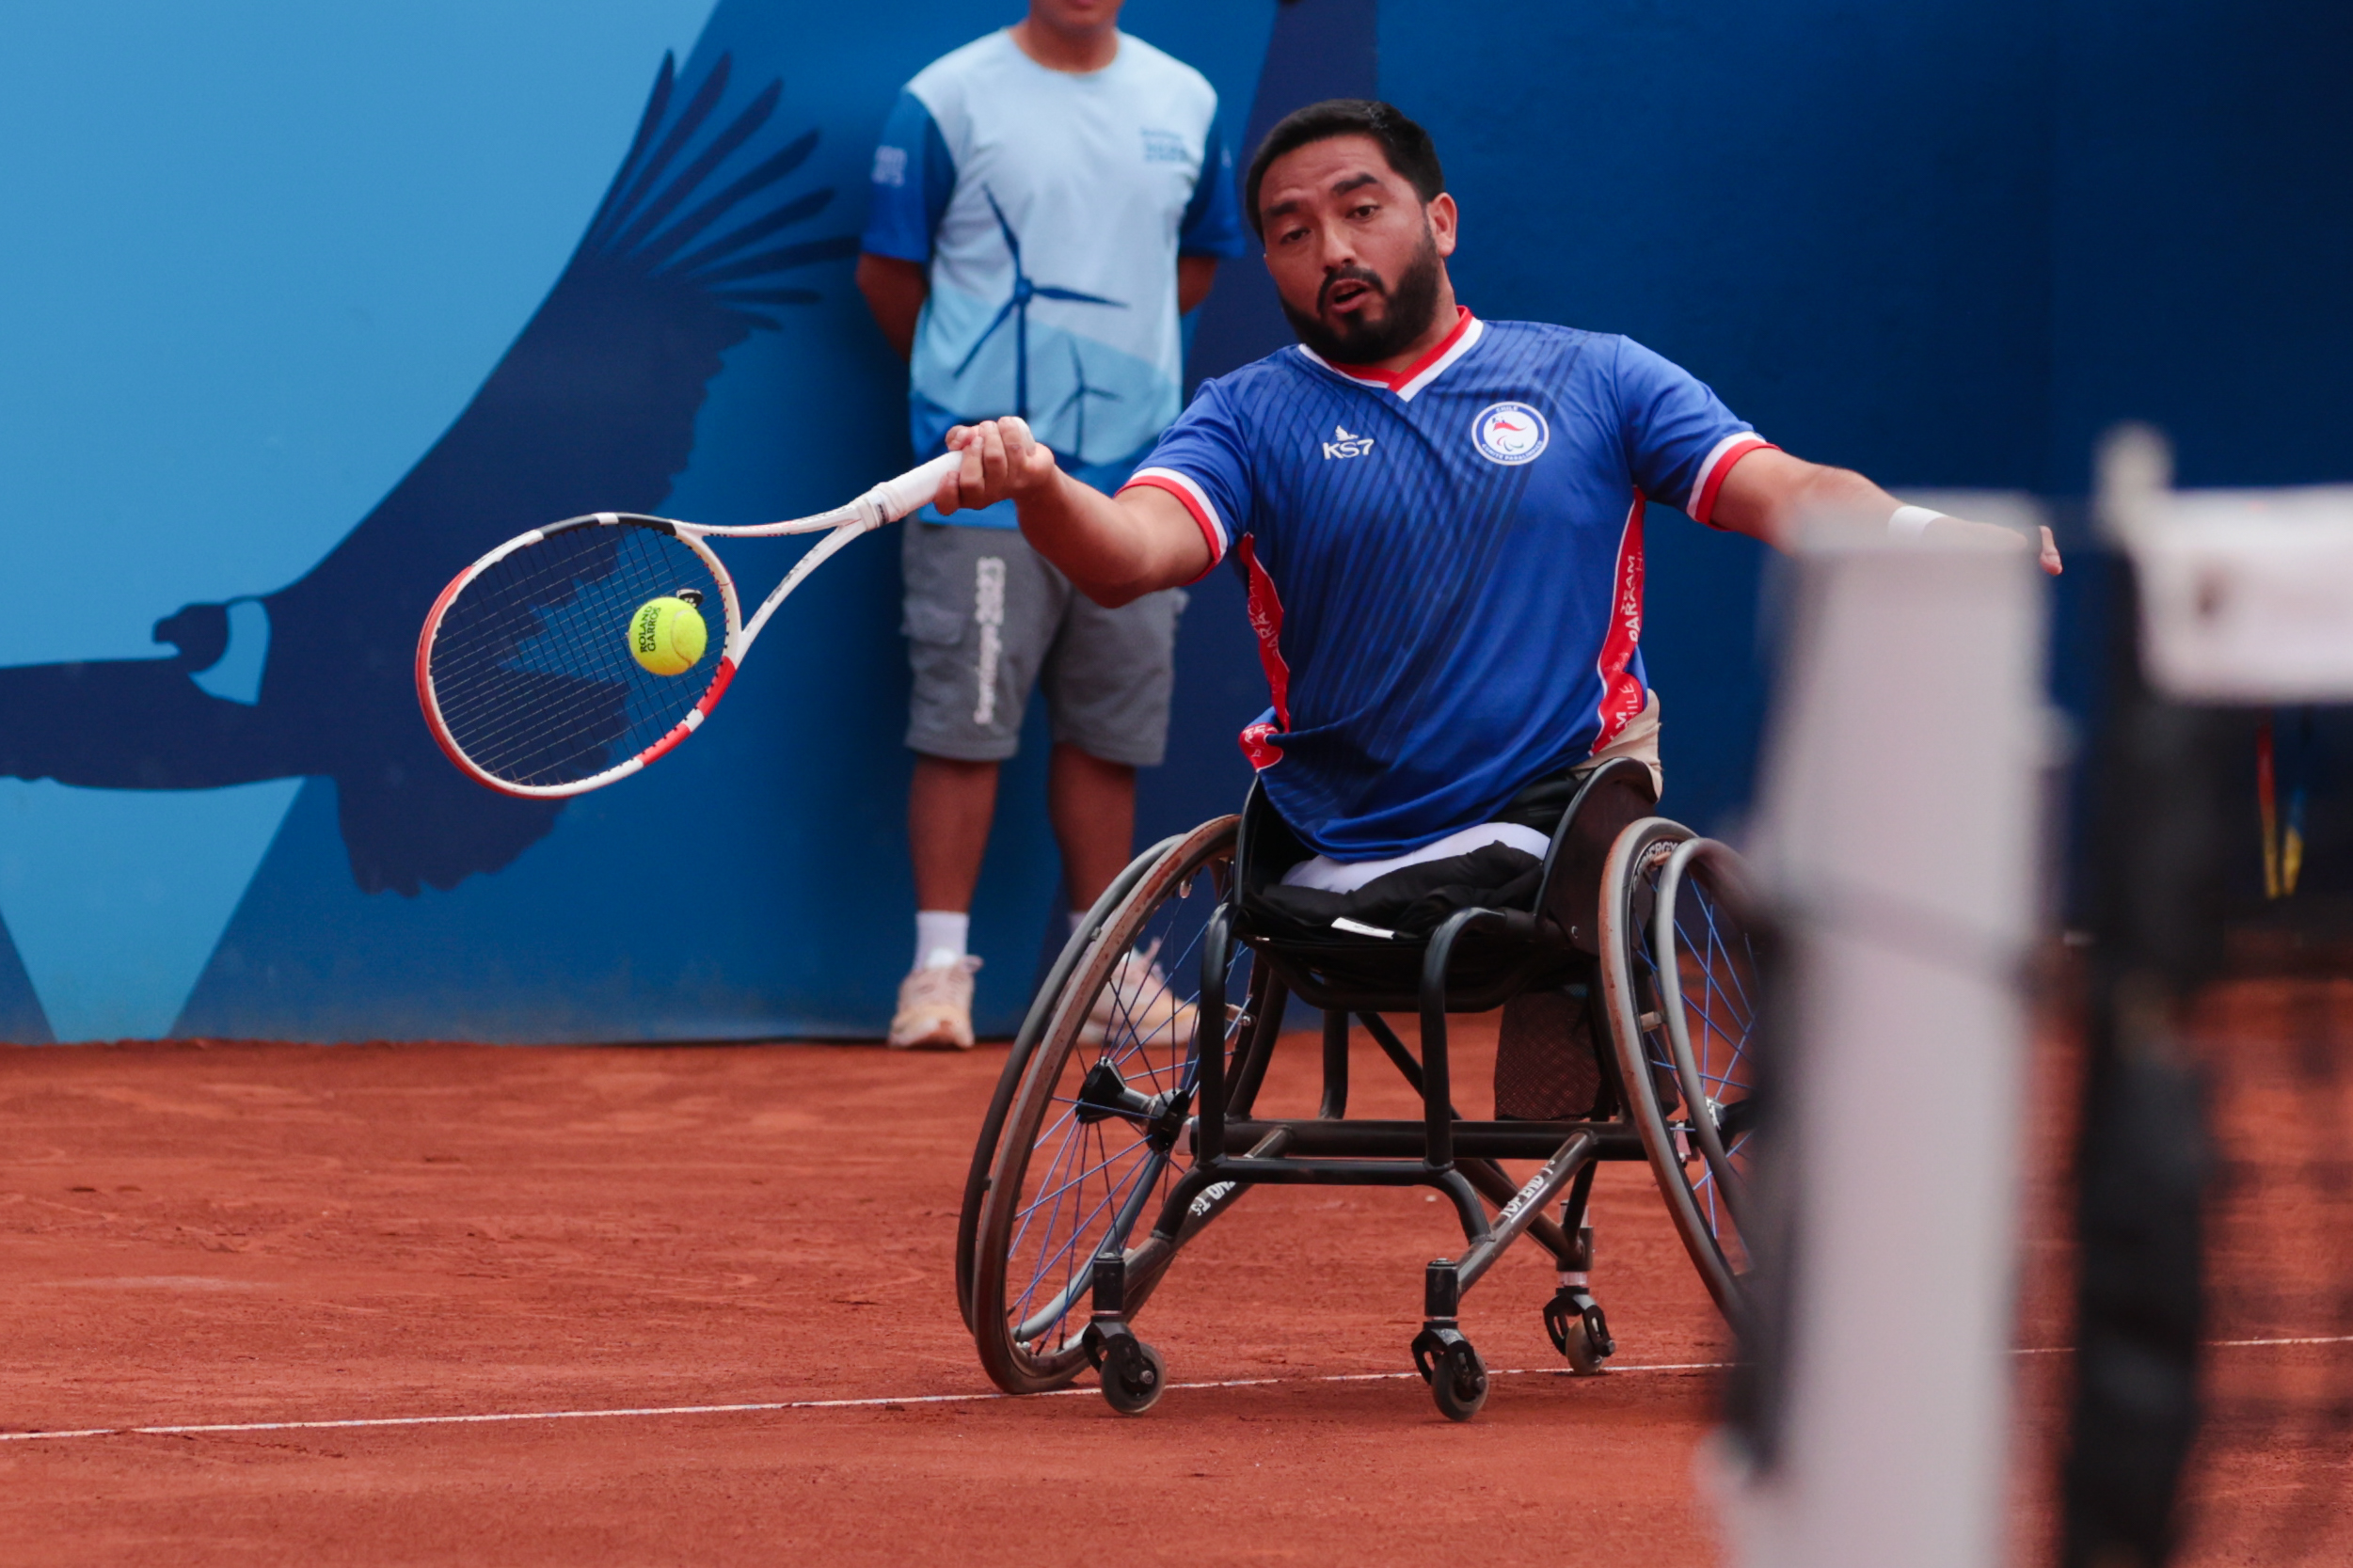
x: 1033, y: 1026
x: 1638, y: 1034
x: 1027, y: 1090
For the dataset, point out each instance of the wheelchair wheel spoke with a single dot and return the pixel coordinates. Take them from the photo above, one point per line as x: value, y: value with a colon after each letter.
x: 1718, y: 961
x: 1069, y: 1259
x: 1078, y: 1178
x: 1075, y: 1182
x: 1086, y: 1163
x: 1686, y: 1010
x: 1130, y: 1193
x: 1046, y: 1211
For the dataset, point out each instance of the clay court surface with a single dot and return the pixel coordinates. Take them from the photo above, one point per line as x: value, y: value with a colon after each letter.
x: 264, y: 1233
x: 233, y: 1233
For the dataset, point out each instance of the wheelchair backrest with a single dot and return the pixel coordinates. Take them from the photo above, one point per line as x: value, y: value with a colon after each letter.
x: 1613, y: 795
x: 1265, y: 846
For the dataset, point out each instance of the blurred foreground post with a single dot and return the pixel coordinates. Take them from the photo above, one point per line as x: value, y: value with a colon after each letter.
x: 2232, y: 600
x: 1897, y: 853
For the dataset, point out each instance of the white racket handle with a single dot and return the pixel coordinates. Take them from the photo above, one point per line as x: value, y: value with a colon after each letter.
x: 887, y: 503
x: 894, y: 499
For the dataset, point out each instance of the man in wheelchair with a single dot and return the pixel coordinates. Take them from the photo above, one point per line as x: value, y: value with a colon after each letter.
x: 1440, y: 520
x: 1439, y: 523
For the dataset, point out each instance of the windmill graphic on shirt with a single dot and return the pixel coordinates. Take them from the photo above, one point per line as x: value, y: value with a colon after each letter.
x: 1077, y: 401
x: 1017, y: 308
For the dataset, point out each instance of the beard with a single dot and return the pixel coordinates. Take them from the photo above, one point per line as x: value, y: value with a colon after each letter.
x: 1358, y: 341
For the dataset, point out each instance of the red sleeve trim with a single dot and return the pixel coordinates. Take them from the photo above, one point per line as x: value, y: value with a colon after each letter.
x: 1704, y: 509
x: 1196, y: 504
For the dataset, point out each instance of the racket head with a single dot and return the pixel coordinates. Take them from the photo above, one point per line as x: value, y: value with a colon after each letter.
x: 524, y: 670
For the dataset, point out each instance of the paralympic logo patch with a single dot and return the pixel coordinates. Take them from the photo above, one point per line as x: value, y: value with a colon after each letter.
x: 1510, y: 432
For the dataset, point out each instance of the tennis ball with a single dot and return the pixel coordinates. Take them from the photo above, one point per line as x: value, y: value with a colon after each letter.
x: 667, y: 636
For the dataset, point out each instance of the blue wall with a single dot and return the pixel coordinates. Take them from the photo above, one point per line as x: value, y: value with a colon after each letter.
x: 306, y: 330
x: 287, y: 284
x: 1836, y: 215
x: 260, y: 255
x: 2203, y: 166
x: 1945, y: 244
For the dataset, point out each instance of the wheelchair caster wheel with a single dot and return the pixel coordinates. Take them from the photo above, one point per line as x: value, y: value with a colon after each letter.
x: 1133, y: 1376
x: 1574, y: 1322
x: 1456, y: 1376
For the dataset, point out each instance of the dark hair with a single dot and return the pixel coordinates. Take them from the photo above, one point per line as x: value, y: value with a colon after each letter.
x: 1407, y: 147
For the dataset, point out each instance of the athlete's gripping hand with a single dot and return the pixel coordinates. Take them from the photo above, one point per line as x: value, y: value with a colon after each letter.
x: 1002, y: 462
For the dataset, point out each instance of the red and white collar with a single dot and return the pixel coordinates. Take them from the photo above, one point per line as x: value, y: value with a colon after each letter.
x: 1422, y: 371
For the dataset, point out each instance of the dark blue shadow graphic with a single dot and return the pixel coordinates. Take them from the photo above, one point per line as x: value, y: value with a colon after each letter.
x: 22, y: 1020
x: 592, y: 409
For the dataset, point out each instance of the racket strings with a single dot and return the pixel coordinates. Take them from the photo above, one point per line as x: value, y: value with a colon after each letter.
x: 530, y: 664
x: 561, y: 707
x: 557, y: 686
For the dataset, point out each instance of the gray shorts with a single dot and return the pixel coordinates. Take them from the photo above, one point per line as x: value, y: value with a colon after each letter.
x: 986, y: 617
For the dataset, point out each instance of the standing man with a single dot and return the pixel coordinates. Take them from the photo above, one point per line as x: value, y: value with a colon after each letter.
x: 1047, y: 201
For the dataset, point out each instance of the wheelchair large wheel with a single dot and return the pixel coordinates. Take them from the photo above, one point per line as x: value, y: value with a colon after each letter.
x: 1680, y: 974
x: 1089, y: 1145
x: 1032, y: 1030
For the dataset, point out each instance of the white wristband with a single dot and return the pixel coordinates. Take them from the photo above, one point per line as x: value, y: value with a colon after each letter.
x: 1910, y: 522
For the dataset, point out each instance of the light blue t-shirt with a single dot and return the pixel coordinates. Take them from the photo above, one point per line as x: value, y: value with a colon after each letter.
x: 1051, y: 207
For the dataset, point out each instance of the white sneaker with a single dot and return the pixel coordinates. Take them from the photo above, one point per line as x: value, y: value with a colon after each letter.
x: 935, y: 1008
x: 1136, y: 1000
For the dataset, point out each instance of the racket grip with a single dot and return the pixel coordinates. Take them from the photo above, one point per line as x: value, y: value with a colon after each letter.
x: 894, y: 498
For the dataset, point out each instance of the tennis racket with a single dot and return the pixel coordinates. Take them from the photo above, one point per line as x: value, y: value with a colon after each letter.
x: 525, y: 667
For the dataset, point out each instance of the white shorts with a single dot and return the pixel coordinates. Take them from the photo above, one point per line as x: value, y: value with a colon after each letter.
x: 1639, y: 740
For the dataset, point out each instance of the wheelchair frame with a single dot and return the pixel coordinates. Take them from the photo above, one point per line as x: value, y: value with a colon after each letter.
x: 1555, y: 942
x: 1605, y: 842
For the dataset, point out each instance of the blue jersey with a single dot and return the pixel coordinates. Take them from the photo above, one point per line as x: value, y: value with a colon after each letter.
x: 1050, y: 208
x: 1445, y: 565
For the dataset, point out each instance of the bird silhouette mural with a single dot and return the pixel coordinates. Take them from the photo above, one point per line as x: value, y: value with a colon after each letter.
x: 1017, y: 310
x: 592, y: 408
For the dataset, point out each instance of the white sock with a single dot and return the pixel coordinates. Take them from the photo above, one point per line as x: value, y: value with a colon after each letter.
x: 940, y: 937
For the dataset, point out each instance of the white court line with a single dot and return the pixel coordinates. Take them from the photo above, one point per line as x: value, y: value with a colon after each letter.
x: 2241, y: 1344
x: 2212, y: 1344
x: 764, y: 1407
x: 774, y: 1406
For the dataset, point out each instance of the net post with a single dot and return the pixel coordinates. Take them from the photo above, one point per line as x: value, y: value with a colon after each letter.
x: 1873, y: 1409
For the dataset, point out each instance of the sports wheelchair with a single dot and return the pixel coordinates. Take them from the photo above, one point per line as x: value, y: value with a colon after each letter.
x: 1126, y: 1122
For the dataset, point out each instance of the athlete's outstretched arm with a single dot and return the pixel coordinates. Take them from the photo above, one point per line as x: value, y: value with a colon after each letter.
x: 1768, y: 491
x: 1112, y: 548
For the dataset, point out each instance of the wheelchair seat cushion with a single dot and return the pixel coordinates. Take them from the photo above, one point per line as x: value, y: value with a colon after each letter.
x: 1411, y: 901
x: 1414, y: 900
x: 1347, y: 876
